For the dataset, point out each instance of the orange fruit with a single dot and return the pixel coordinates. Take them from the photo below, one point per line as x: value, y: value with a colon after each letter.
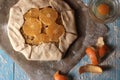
x: 91, y: 52
x: 43, y: 38
x: 54, y: 31
x: 32, y: 26
x: 58, y: 76
x: 48, y: 15
x: 103, y: 9
x: 32, y: 13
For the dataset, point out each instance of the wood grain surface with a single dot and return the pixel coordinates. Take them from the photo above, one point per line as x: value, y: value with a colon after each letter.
x: 10, y: 70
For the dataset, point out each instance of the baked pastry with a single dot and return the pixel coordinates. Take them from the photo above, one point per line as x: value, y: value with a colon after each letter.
x: 41, y: 29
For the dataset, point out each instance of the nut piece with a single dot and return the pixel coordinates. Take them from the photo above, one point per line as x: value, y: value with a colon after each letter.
x: 91, y: 52
x: 90, y: 68
x: 58, y: 76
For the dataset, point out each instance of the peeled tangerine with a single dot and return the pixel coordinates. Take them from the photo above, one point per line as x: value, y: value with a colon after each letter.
x: 54, y: 31
x: 90, y: 68
x: 32, y: 13
x: 58, y: 76
x: 91, y: 52
x: 48, y: 15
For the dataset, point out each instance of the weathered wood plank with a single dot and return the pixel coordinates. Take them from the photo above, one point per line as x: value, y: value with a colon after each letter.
x: 74, y: 73
x: 9, y: 70
x: 6, y: 67
x: 115, y: 35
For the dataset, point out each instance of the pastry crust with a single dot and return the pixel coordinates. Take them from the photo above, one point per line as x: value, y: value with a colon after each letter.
x: 45, y: 51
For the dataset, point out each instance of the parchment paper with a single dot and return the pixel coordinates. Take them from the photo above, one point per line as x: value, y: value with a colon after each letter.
x: 88, y: 32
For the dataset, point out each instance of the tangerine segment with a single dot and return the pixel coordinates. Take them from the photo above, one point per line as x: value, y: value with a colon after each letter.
x: 48, y: 15
x: 34, y: 41
x: 32, y: 13
x: 54, y: 31
x: 37, y: 39
x: 43, y: 38
x: 32, y: 26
